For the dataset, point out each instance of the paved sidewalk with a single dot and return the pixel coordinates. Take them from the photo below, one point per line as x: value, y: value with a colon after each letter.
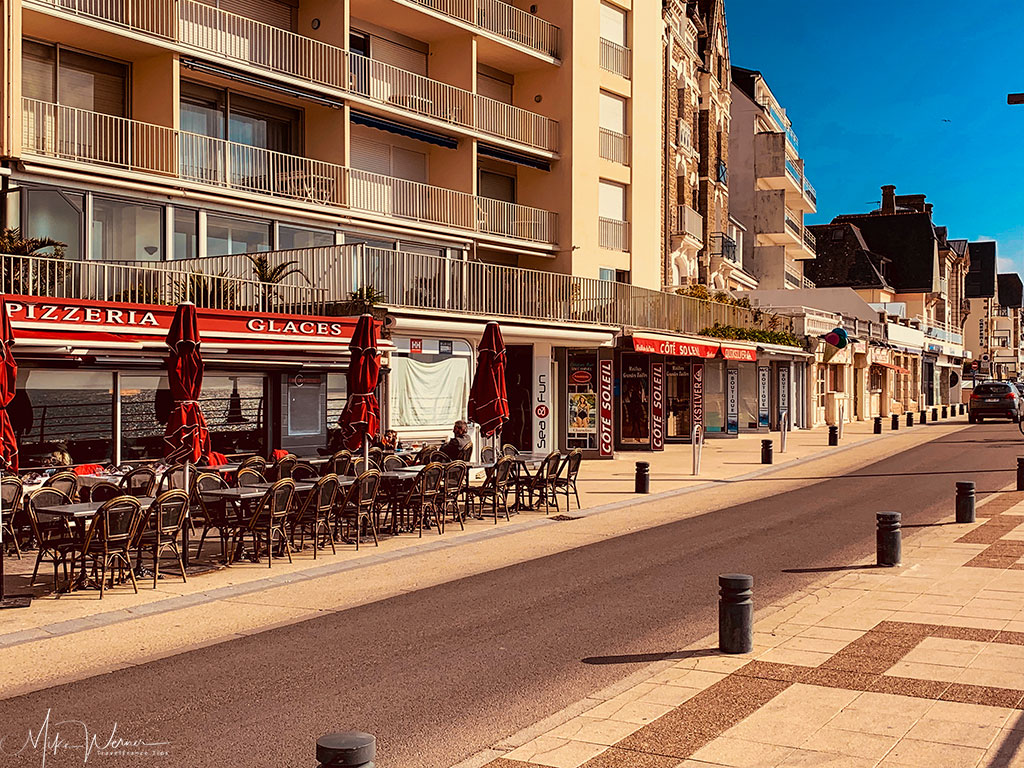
x: 919, y: 665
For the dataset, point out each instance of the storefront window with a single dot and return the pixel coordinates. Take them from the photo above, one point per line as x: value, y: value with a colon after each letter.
x: 298, y: 237
x: 56, y: 215
x: 634, y: 399
x: 123, y: 231
x: 714, y: 396
x: 677, y: 398
x: 225, y: 236
x: 62, y: 417
x: 430, y: 389
x: 186, y: 229
x: 582, y: 413
x: 748, y: 395
x: 305, y: 406
x: 337, y: 396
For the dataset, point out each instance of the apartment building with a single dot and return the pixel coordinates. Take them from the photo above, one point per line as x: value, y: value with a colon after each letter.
x: 993, y: 330
x: 769, y: 192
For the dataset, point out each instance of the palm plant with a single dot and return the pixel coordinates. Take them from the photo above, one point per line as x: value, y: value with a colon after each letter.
x: 14, y: 243
x: 24, y: 277
x: 270, y: 274
x: 218, y: 291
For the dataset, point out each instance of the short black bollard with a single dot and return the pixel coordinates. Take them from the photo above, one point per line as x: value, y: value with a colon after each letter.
x: 735, y: 613
x: 350, y: 749
x: 833, y: 435
x: 965, y: 502
x: 643, y: 477
x: 1020, y: 474
x: 889, y: 550
x: 767, y: 451
x: 878, y: 425
x: 935, y: 414
x: 910, y: 419
x: 963, y: 408
x: 945, y: 412
x: 924, y: 416
x: 895, y: 422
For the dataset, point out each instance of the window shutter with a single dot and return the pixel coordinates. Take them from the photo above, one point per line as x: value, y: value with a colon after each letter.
x: 406, y: 164
x: 271, y: 12
x: 493, y: 88
x: 398, y: 55
x: 369, y: 155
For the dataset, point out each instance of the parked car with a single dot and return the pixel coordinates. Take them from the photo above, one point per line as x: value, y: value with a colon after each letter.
x: 994, y: 399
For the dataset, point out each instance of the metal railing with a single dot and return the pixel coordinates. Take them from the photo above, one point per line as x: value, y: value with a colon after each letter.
x: 810, y: 240
x: 210, y: 30
x: 616, y: 59
x: 810, y: 192
x: 794, y: 173
x: 502, y: 20
x: 724, y: 246
x: 793, y: 222
x: 613, y: 234
x: 614, y: 146
x: 206, y: 284
x: 943, y: 331
x: 688, y: 222
x: 74, y: 134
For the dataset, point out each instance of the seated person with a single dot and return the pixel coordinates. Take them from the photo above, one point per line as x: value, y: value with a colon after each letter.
x: 389, y: 441
x: 459, y: 441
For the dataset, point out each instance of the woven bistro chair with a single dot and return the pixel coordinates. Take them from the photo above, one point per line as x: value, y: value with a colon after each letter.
x: 305, y: 473
x: 270, y: 519
x: 488, y: 455
x: 422, y: 497
x: 110, y: 536
x: 217, y: 514
x: 495, y: 488
x: 376, y: 455
x: 465, y: 454
x: 541, y: 483
x: 453, y: 488
x: 339, y: 464
x: 247, y: 477
x: 565, y: 478
x: 105, y: 491
x: 257, y: 463
x: 358, y: 506
x: 509, y: 450
x: 393, y: 462
x: 359, y: 466
x: 316, y: 511
x: 437, y: 457
x: 160, y: 529
x: 52, y: 534
x: 423, y: 455
x: 65, y: 482
x: 11, y: 491
x: 282, y: 469
x: 174, y: 478
x: 139, y: 482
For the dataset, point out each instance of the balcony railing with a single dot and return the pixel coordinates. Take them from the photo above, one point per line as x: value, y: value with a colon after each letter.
x: 213, y: 31
x: 793, y: 222
x: 943, y: 331
x: 614, y: 146
x: 724, y: 246
x: 417, y: 281
x: 688, y: 222
x: 809, y: 190
x: 616, y: 59
x: 501, y: 19
x: 165, y: 283
x: 73, y: 134
x: 810, y: 240
x: 794, y: 173
x: 613, y: 234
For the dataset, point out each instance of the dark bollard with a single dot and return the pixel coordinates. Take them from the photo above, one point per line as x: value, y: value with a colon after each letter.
x: 945, y: 412
x: 1020, y: 474
x: 351, y: 749
x: 965, y: 502
x: 878, y: 425
x: 910, y: 419
x: 767, y: 451
x: 833, y: 435
x: 963, y: 408
x: 643, y: 477
x: 895, y: 422
x: 735, y: 613
x: 889, y: 549
x: 924, y: 416
x: 935, y: 414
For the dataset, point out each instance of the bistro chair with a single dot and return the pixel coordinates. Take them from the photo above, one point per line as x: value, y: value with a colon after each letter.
x: 11, y: 491
x: 495, y: 488
x: 376, y: 455
x: 282, y: 469
x: 109, y: 537
x: 359, y: 466
x: 52, y: 534
x: 257, y: 463
x: 422, y: 498
x: 453, y: 487
x: 160, y: 529
x: 509, y: 450
x: 315, y: 515
x: 105, y: 491
x: 306, y: 473
x: 423, y: 455
x: 338, y: 464
x: 269, y: 520
x: 542, y: 482
x: 65, y: 482
x: 174, y: 478
x: 139, y: 482
x: 565, y: 478
x: 217, y: 513
x: 358, y: 506
x: 393, y: 462
x: 488, y: 455
x: 437, y: 457
x: 247, y: 477
x: 465, y: 454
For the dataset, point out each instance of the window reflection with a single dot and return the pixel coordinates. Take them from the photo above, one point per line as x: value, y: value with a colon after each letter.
x: 60, y: 415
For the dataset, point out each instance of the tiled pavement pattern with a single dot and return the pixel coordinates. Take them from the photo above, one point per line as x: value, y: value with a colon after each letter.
x: 921, y: 665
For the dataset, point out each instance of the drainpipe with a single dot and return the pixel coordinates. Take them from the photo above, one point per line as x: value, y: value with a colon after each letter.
x: 669, y: 163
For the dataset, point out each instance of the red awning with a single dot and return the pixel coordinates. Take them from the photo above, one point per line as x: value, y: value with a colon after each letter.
x: 897, y: 368
x: 742, y: 353
x: 677, y: 346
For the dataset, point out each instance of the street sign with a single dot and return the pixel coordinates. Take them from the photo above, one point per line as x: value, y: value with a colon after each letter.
x: 975, y: 366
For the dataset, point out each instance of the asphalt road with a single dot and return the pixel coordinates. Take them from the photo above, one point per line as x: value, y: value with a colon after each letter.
x: 441, y: 673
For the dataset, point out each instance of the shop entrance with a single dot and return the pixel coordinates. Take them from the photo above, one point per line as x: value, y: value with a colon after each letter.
x: 518, y: 431
x: 678, y: 384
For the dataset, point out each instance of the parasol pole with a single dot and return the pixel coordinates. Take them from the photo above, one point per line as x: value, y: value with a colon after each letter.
x: 18, y: 601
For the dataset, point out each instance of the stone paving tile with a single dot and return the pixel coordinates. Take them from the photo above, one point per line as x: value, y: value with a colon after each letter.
x: 867, y: 746
x: 926, y: 754
x: 555, y: 752
x: 741, y: 753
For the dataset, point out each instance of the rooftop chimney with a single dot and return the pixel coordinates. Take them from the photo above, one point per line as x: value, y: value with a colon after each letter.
x: 889, y: 198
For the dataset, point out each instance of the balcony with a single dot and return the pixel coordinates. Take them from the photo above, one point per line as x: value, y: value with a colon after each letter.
x: 942, y: 331
x: 80, y: 136
x: 724, y: 247
x: 810, y: 241
x: 502, y: 20
x: 775, y: 167
x: 688, y: 222
x: 614, y: 146
x: 809, y: 192
x: 616, y: 59
x: 613, y: 234
x: 214, y: 33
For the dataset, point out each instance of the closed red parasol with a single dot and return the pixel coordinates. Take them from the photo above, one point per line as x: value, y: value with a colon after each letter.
x: 488, y: 399
x: 8, y: 440
x: 187, y: 436
x: 361, y: 416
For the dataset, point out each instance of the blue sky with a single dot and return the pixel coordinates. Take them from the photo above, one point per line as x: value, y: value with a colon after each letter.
x: 868, y: 86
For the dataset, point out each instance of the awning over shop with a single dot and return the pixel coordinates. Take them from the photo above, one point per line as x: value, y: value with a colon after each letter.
x: 732, y: 350
x: 677, y: 346
x: 897, y: 368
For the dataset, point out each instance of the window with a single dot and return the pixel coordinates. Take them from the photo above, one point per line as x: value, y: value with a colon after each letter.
x: 385, y: 159
x: 186, y: 234
x: 56, y: 214
x: 497, y: 86
x: 58, y: 75
x: 242, y: 119
x: 497, y: 186
x: 337, y: 396
x: 298, y: 237
x: 613, y: 113
x: 612, y: 201
x: 836, y: 378
x: 613, y: 24
x: 225, y: 236
x: 821, y: 386
x: 430, y: 389
x: 123, y: 231
x: 63, y: 412
x: 875, y: 383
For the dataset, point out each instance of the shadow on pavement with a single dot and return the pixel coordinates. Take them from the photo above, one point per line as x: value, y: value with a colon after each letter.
x: 834, y: 568
x: 648, y: 658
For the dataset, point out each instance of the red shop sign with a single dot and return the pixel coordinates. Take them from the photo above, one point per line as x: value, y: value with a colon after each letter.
x: 604, y: 424
x: 742, y: 354
x: 676, y: 347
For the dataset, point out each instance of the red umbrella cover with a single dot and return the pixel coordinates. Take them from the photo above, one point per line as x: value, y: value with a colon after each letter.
x: 361, y: 416
x: 488, y: 399
x: 8, y: 382
x: 187, y: 436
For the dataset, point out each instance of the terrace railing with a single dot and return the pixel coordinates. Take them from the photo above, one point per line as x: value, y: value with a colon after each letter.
x: 613, y: 234
x: 501, y: 19
x: 614, y: 146
x: 616, y: 59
